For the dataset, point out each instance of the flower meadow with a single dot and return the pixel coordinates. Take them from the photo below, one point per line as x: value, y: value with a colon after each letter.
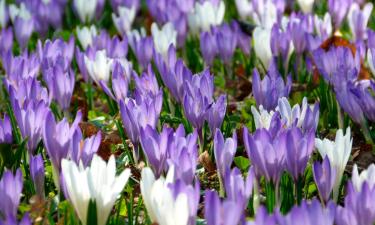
x: 183, y: 112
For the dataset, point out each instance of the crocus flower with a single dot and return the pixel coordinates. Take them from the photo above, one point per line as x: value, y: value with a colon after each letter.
x: 120, y: 83
x: 21, y: 67
x: 358, y: 20
x: 124, y: 20
x: 208, y: 46
x: 6, y: 40
x: 338, y: 10
x: 309, y: 213
x: 281, y: 44
x: 299, y: 148
x: 338, y: 153
x: 86, y: 35
x: 262, y: 118
x: 262, y: 45
x: 127, y: 3
x: 146, y: 84
x: 305, y: 117
x: 216, y: 113
x: 10, y: 193
x: 98, y: 183
x: 195, y: 107
x: 136, y: 115
x: 224, y: 151
x: 61, y: 85
x: 3, y: 14
x: 266, y: 153
x: 359, y: 206
x: 205, y: 15
x: 367, y: 175
x: 6, y: 136
x: 237, y: 189
x: 56, y: 51
x: 100, y: 67
x: 267, y: 91
x: 23, y: 23
x: 57, y: 139
x: 193, y: 194
x: 183, y: 155
x: 155, y: 147
x: 324, y: 176
x: 226, y: 42
x: 30, y: 119
x: 306, y: 5
x: 83, y: 150
x: 244, y: 8
x: 162, y: 207
x: 142, y: 46
x: 214, y: 208
x: 37, y: 174
x: 323, y: 26
x: 87, y: 10
x: 363, y: 91
x: 265, y: 13
x: 163, y: 38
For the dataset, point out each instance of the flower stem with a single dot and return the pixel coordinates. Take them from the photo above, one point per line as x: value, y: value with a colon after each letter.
x: 340, y: 116
x: 366, y: 132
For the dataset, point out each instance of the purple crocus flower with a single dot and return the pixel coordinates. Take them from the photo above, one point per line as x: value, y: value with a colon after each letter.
x: 142, y: 46
x: 21, y: 67
x: 358, y: 20
x: 138, y: 114
x: 238, y: 189
x: 26, y: 90
x: 363, y: 91
x: 226, y: 42
x: 214, y: 208
x: 195, y: 107
x: 155, y: 147
x: 281, y: 43
x: 266, y: 153
x: 127, y: 3
x: 57, y: 139
x: 299, y: 148
x: 298, y: 34
x: 208, y: 46
x: 183, y: 154
x: 193, y: 193
x: 23, y: 28
x: 267, y: 91
x: 309, y: 214
x: 30, y: 119
x: 120, y: 83
x: 224, y: 151
x: 61, y: 85
x: 6, y: 40
x: 37, y: 174
x: 216, y: 113
x: 324, y: 176
x: 338, y: 10
x: 10, y: 193
x: 83, y: 150
x: 359, y: 206
x: 146, y: 84
x: 56, y: 51
x: 6, y: 136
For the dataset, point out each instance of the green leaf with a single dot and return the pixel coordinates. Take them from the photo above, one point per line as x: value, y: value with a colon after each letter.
x: 92, y: 217
x: 242, y: 162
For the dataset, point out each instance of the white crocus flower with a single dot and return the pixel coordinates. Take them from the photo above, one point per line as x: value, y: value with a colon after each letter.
x: 97, y: 182
x: 205, y: 15
x: 262, y: 118
x: 306, y: 5
x: 262, y: 45
x: 323, y: 26
x: 86, y: 35
x: 367, y: 175
x: 85, y: 9
x: 163, y: 38
x: 3, y: 13
x: 125, y: 19
x: 162, y: 208
x: 244, y: 8
x: 338, y: 153
x: 21, y: 12
x: 99, y: 68
x: 265, y: 13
